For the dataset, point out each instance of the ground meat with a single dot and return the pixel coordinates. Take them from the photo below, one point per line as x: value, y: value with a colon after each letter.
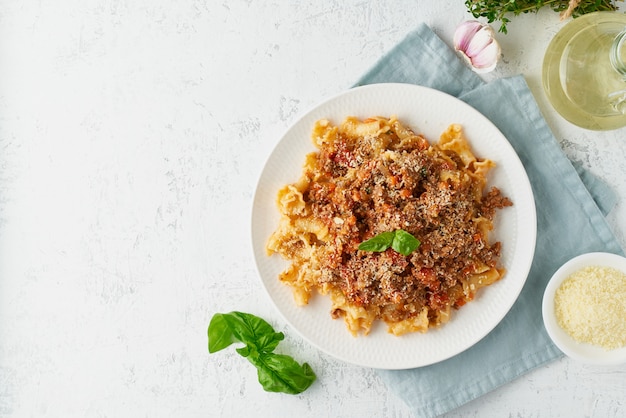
x: 362, y: 192
x: 376, y: 177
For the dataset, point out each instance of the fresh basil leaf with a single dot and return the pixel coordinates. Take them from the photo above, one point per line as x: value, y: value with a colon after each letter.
x: 378, y: 243
x: 404, y: 242
x: 281, y: 373
x: 276, y: 372
x: 246, y: 351
x: 220, y: 334
x: 400, y: 240
x: 253, y: 331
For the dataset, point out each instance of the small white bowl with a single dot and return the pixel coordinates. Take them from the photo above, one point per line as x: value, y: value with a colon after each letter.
x: 586, y: 353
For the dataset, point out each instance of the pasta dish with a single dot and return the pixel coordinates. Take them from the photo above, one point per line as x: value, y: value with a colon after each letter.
x: 387, y: 225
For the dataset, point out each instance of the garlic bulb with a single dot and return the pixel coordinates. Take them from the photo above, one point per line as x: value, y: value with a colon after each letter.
x: 476, y: 43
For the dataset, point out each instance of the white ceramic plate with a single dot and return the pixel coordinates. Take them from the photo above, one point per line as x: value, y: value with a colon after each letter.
x: 586, y: 353
x: 428, y: 112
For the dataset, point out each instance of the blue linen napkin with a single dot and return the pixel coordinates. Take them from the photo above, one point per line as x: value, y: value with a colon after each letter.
x: 570, y: 202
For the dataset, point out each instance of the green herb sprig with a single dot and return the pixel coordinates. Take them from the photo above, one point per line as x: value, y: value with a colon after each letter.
x: 400, y: 240
x: 276, y: 372
x: 502, y: 10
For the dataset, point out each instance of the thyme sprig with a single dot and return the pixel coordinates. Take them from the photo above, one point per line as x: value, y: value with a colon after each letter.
x: 503, y: 10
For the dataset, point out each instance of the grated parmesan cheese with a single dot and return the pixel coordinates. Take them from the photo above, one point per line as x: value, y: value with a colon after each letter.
x: 590, y: 305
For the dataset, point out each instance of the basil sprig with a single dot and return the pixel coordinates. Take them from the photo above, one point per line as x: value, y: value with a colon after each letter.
x: 400, y: 240
x: 276, y: 372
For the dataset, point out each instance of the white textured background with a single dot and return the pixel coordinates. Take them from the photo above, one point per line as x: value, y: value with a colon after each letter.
x: 131, y: 137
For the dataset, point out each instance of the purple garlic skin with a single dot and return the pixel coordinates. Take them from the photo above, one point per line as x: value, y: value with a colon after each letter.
x: 477, y: 44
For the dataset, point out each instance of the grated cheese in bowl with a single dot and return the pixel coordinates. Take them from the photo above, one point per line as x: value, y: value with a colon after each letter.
x: 584, y: 308
x: 590, y: 306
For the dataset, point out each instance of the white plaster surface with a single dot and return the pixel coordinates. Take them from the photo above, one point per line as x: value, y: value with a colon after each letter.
x: 132, y: 134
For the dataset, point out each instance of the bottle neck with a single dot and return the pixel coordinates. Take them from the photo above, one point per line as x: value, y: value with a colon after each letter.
x: 617, y: 56
x: 618, y: 53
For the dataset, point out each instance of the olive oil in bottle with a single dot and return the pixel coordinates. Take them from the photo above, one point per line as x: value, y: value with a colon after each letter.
x: 584, y: 74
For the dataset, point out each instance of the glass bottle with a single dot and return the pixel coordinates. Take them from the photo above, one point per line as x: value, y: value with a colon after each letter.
x: 584, y: 71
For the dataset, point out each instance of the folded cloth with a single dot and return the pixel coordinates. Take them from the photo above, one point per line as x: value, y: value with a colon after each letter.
x: 569, y: 222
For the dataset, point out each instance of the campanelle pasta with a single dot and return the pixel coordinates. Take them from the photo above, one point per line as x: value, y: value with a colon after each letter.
x: 374, y: 176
